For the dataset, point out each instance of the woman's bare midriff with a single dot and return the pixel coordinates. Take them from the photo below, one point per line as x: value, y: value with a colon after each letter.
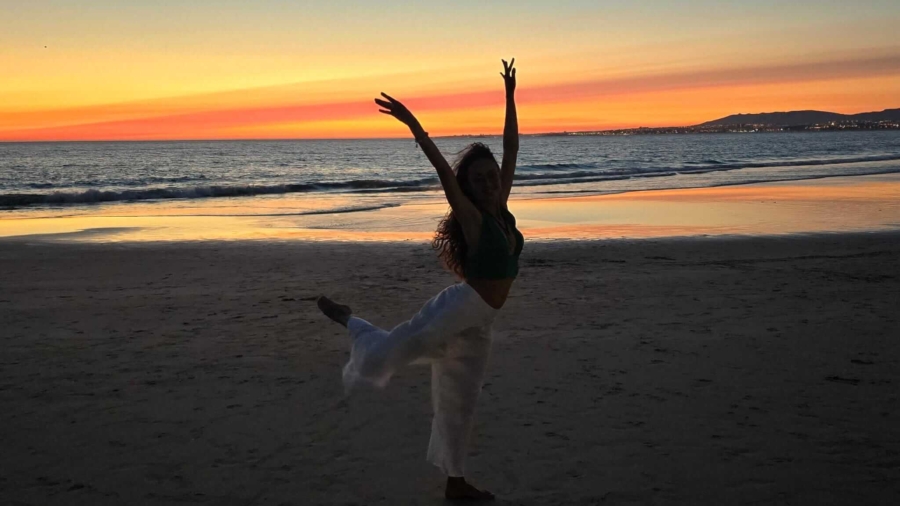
x: 493, y: 291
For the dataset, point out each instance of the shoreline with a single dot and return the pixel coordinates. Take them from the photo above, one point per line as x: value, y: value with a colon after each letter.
x: 53, y: 241
x: 828, y: 204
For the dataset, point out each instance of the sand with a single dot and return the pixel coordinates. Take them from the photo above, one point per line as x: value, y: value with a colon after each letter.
x: 701, y: 371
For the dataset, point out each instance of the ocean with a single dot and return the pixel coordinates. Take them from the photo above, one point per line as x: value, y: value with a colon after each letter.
x: 393, y: 171
x: 567, y: 187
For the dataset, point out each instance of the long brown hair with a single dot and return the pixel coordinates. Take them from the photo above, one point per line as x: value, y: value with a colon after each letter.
x: 449, y: 240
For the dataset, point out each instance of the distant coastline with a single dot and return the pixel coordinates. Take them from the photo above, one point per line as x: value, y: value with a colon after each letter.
x: 792, y: 121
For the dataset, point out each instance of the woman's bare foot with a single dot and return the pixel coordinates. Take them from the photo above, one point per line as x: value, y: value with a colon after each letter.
x: 459, y: 490
x: 337, y: 312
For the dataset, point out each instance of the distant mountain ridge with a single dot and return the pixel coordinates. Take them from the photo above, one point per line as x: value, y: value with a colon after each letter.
x: 792, y: 118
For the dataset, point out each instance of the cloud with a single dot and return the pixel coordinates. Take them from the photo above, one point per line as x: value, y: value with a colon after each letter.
x: 206, y: 124
x: 736, y: 76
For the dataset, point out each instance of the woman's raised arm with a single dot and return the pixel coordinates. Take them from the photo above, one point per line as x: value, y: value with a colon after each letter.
x: 465, y: 211
x: 510, y: 131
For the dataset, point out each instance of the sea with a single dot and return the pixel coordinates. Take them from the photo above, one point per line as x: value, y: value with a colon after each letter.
x: 390, y: 172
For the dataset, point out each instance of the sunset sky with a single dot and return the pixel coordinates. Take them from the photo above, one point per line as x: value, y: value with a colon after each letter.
x: 127, y: 69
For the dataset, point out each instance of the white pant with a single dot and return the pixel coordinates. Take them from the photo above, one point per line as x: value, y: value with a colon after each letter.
x: 452, y: 332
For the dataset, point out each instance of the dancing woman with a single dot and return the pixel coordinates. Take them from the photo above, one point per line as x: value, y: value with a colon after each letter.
x: 479, y: 242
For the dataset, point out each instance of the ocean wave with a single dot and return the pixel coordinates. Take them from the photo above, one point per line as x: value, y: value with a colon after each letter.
x: 796, y: 163
x: 120, y: 182
x: 527, y: 175
x: 702, y: 167
x: 175, y: 179
x: 356, y: 209
x: 92, y: 196
x: 558, y: 175
x: 557, y: 166
x: 335, y: 210
x: 742, y: 182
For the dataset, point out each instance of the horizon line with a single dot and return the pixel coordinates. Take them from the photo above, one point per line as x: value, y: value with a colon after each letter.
x: 284, y: 139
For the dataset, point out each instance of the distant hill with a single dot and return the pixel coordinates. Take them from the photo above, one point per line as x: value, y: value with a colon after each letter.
x: 885, y: 115
x: 801, y: 118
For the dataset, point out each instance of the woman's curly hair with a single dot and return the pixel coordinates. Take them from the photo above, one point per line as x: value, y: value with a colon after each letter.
x: 448, y: 238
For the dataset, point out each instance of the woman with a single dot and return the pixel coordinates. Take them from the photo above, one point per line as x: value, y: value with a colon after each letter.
x: 478, y: 241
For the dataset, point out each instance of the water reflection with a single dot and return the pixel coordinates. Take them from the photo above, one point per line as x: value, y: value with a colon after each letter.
x: 825, y: 205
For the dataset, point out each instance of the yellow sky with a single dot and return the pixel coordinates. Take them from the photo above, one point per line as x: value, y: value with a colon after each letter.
x: 275, y: 69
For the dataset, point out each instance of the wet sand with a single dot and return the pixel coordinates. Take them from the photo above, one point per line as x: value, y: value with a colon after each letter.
x: 684, y: 371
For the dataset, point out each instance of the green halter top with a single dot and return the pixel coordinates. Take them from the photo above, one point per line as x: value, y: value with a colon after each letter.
x: 492, y: 259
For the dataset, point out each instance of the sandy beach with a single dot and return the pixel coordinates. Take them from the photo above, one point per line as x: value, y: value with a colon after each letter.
x: 705, y: 310
x: 682, y: 371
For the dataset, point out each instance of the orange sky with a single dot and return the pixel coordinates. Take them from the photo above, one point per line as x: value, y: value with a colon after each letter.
x: 273, y: 69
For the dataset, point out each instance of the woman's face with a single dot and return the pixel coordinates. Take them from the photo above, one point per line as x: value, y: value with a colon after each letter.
x: 484, y: 181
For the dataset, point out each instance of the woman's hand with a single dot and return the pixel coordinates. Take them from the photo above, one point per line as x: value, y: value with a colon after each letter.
x: 509, y: 75
x: 394, y: 108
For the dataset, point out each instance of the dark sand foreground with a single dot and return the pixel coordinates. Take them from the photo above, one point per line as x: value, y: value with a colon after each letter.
x: 709, y: 371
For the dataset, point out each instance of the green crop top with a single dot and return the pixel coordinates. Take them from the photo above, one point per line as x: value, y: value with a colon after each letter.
x: 492, y: 259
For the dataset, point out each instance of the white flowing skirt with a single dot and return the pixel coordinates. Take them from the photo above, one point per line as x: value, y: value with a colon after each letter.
x: 452, y: 332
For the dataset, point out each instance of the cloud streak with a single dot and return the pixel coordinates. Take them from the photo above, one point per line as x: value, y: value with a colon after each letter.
x: 174, y: 119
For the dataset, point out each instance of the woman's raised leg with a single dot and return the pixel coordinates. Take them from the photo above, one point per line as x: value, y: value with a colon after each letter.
x: 376, y: 353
